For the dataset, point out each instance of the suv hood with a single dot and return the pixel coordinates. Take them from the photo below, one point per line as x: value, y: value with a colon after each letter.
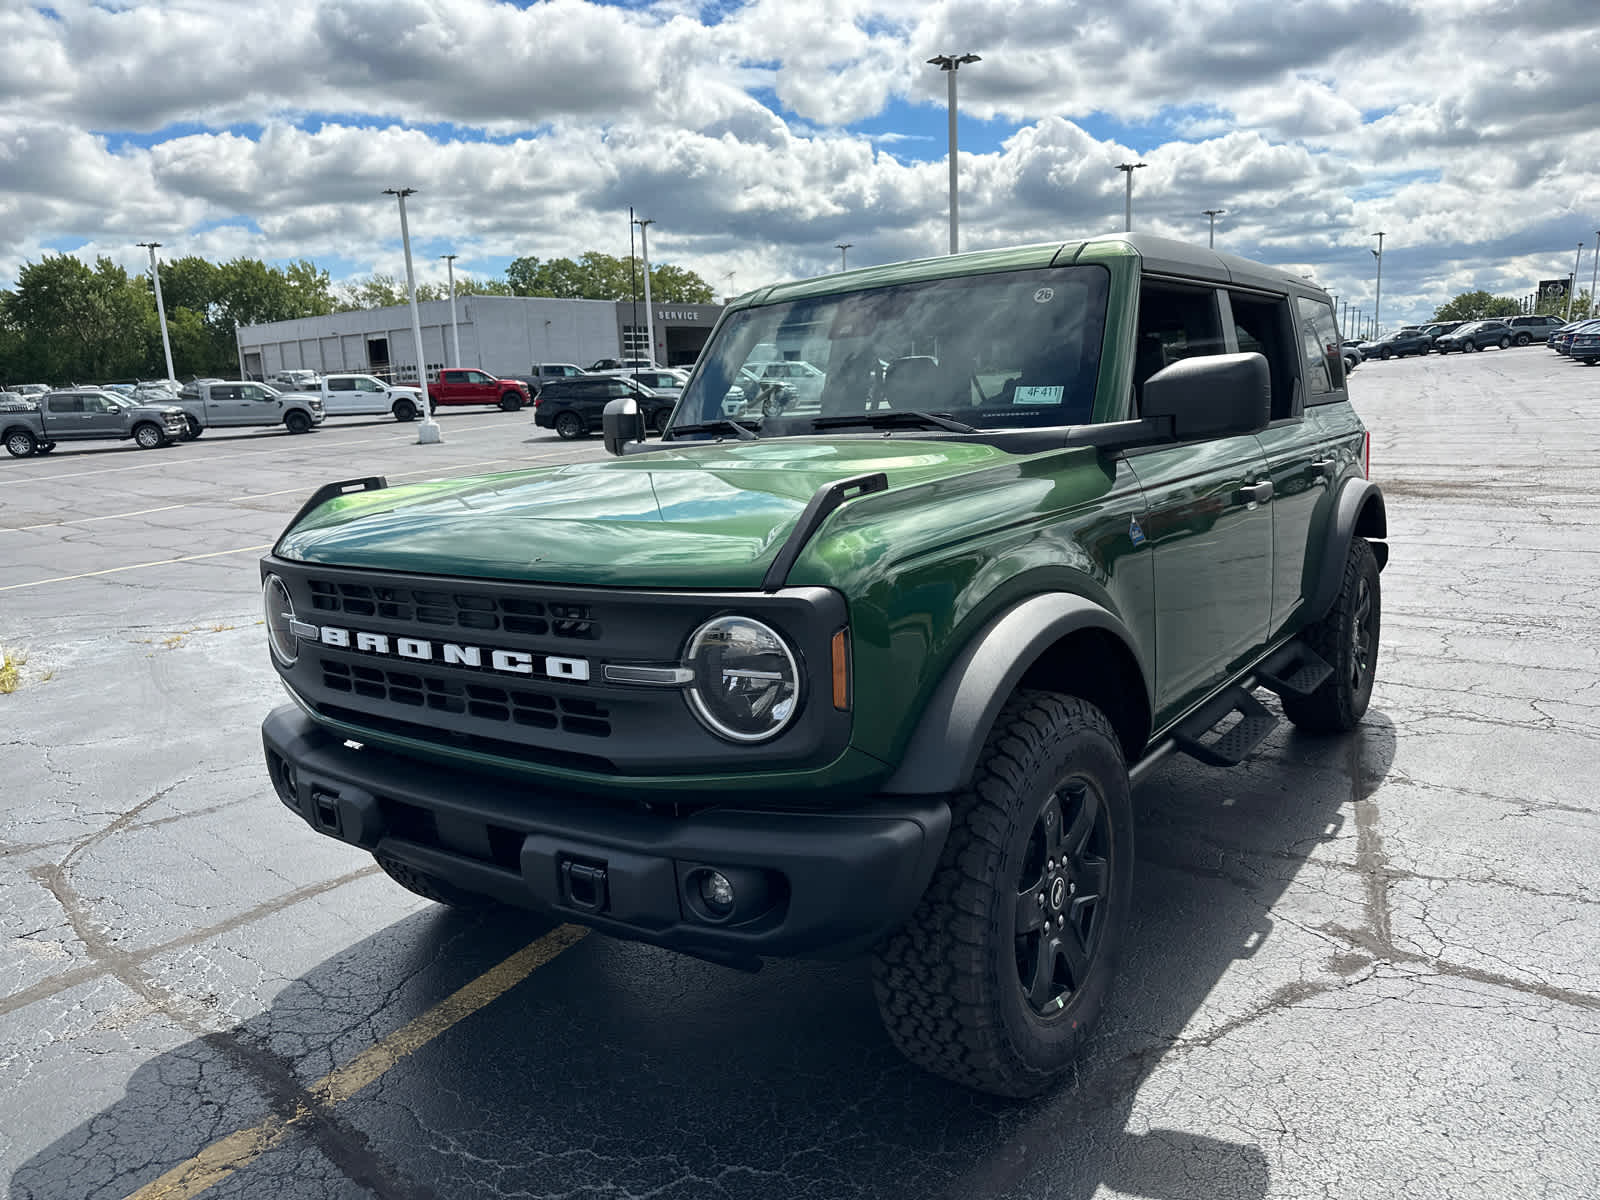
x: 709, y: 515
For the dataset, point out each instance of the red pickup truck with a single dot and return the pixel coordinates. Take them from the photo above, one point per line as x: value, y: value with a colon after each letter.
x: 468, y: 385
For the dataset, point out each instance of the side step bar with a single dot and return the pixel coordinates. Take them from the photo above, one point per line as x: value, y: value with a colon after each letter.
x: 1294, y: 669
x: 1229, y: 750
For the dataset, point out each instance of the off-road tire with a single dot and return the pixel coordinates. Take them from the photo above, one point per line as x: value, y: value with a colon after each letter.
x: 949, y: 982
x: 297, y: 422
x: 404, y: 410
x: 1340, y: 703
x: 149, y: 436
x: 194, y: 428
x: 510, y: 402
x: 431, y: 887
x: 570, y: 426
x: 20, y: 443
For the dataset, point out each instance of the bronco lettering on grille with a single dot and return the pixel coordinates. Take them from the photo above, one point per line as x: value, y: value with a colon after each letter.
x: 451, y: 654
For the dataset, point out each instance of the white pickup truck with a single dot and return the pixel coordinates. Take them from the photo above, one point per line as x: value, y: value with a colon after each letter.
x: 365, y: 395
x: 239, y: 402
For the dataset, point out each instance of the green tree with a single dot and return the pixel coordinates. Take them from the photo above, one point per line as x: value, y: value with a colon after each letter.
x: 81, y: 324
x: 676, y: 285
x: 1476, y: 306
x: 598, y: 276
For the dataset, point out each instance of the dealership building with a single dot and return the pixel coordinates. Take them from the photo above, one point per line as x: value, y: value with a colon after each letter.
x: 507, y: 335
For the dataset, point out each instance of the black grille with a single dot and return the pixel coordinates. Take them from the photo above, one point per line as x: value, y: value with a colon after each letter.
x: 455, y: 609
x: 510, y: 706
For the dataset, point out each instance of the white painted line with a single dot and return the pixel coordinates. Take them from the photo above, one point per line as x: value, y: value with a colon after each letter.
x: 305, y: 488
x: 160, y: 562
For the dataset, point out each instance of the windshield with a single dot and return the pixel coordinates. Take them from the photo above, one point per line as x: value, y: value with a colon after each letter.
x: 1005, y: 351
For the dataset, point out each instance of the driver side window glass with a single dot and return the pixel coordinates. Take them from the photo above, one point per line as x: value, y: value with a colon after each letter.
x: 1174, y: 323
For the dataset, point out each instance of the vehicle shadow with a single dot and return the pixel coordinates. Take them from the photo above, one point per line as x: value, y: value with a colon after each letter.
x: 618, y: 1070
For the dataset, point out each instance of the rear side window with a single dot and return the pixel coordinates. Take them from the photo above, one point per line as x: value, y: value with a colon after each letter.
x: 342, y: 385
x: 1319, y: 336
x: 66, y: 404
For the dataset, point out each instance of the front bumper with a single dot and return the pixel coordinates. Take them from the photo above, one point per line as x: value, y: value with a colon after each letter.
x: 806, y: 883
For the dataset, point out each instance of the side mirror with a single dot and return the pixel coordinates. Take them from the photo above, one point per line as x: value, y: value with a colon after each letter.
x: 621, y: 423
x: 1211, y: 396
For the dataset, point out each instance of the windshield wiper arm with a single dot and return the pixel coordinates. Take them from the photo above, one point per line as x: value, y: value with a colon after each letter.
x: 744, y: 432
x: 894, y: 416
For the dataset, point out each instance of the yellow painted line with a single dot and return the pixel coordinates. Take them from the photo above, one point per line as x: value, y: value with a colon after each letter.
x: 160, y: 562
x: 238, y: 1150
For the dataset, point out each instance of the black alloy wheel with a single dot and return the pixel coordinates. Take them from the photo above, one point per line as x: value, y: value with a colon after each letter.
x: 570, y: 426
x: 404, y: 410
x: 1524, y: 338
x: 1505, y: 341
x: 1059, y: 920
x: 297, y: 422
x: 510, y: 402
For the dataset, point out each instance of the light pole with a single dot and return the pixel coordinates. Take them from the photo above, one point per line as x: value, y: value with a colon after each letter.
x: 1572, y: 287
x: 455, y: 330
x: 161, y: 309
x: 649, y: 317
x: 1213, y: 213
x: 843, y: 246
x: 950, y: 64
x: 428, y: 433
x: 1594, y: 271
x: 1127, y: 209
x: 1377, y: 299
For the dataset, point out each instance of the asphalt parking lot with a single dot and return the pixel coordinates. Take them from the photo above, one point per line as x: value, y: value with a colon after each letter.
x: 1367, y: 966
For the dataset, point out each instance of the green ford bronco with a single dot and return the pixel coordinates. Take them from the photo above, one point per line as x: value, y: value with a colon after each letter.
x: 869, y: 667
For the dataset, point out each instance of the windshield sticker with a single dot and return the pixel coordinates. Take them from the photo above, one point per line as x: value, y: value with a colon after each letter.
x: 1038, y: 395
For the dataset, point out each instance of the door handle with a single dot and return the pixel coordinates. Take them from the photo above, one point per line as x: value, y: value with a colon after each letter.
x: 1258, y: 493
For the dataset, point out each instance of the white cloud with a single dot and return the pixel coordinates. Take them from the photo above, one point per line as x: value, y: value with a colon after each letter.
x: 1465, y: 129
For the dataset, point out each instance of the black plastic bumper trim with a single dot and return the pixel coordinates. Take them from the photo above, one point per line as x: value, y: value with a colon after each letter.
x: 838, y: 880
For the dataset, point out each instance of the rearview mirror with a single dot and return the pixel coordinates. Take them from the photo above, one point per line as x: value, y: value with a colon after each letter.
x: 621, y: 423
x: 1210, y: 396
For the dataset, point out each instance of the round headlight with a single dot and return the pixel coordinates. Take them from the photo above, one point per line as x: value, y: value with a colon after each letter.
x: 746, y: 686
x: 280, y: 620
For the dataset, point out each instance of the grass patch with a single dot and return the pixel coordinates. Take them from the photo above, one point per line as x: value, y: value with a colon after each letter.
x: 11, y: 663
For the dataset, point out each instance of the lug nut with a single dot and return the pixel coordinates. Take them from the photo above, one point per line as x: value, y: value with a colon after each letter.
x: 1060, y: 921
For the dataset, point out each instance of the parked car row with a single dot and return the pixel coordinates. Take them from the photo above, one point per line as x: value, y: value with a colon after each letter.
x: 1579, y: 340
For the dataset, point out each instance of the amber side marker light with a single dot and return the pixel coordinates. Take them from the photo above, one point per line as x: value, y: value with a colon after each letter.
x: 841, y: 670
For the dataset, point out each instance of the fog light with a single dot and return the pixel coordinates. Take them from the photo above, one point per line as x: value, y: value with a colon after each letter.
x: 716, y: 892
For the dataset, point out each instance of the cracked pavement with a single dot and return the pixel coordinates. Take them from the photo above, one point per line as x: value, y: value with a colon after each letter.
x: 1359, y: 966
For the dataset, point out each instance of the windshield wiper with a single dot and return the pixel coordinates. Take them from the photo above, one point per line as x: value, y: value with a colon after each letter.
x: 894, y: 416
x: 744, y: 432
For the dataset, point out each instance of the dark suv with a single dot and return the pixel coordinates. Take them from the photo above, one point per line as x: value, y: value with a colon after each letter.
x: 875, y: 675
x: 1398, y: 344
x: 572, y: 407
x: 1475, y: 335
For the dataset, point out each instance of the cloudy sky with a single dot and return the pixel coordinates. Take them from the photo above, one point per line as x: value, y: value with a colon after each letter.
x: 757, y: 134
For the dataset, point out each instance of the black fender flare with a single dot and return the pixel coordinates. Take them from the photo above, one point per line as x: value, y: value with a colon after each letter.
x: 943, y: 748
x: 1358, y: 512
